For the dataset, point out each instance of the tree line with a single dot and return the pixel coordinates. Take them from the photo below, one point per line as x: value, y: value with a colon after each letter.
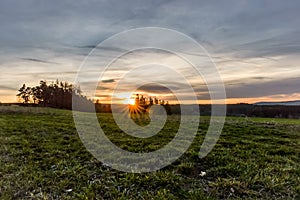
x: 142, y: 104
x: 56, y: 94
x: 141, y: 100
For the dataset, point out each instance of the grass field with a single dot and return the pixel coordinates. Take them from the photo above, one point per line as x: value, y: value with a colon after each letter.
x: 42, y: 157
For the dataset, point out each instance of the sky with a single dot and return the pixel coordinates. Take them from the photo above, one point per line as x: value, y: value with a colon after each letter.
x: 255, y: 45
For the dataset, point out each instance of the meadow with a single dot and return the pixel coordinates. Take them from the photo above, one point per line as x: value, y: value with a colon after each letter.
x: 42, y: 157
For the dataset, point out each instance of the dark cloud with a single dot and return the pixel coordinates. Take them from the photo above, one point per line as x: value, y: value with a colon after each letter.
x: 259, y: 89
x: 38, y: 60
x: 102, y: 48
x: 108, y: 81
x: 87, y: 47
x: 99, y: 87
x: 103, y: 95
x: 155, y: 88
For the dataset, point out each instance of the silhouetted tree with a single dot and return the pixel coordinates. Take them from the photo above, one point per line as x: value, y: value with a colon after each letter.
x: 155, y: 100
x: 25, y: 93
x: 150, y: 101
x: 56, y: 94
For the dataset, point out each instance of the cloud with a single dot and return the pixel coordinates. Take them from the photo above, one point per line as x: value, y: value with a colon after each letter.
x: 108, y: 81
x: 38, y: 60
x: 284, y: 44
x: 3, y: 87
x: 103, y: 95
x: 261, y: 89
x: 155, y: 88
x: 103, y: 88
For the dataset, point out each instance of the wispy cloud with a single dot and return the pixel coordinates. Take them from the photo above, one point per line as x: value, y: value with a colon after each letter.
x: 3, y: 87
x: 38, y: 60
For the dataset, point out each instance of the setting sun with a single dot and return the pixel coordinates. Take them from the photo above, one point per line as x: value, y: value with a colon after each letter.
x: 131, y: 101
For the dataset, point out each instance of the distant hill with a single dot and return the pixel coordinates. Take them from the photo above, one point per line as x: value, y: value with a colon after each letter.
x: 283, y: 103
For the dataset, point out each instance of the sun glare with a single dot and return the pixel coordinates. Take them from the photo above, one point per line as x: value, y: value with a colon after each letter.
x: 131, y: 101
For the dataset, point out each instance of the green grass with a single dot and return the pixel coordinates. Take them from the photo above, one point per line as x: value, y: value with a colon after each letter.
x: 42, y: 157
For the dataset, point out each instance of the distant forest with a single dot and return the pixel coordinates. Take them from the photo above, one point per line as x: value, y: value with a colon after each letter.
x: 59, y: 94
